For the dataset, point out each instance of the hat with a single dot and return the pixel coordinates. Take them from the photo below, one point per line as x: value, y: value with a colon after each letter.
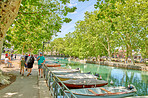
x: 41, y: 53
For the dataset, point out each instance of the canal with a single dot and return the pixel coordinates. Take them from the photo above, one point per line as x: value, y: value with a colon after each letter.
x: 120, y: 77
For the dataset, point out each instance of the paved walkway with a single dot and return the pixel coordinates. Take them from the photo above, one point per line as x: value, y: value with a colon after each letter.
x: 25, y: 87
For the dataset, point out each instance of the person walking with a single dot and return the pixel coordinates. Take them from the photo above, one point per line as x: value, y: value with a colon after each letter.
x: 30, y: 62
x: 22, y: 56
x: 15, y: 56
x: 26, y: 57
x: 6, y: 55
x: 11, y: 56
x: 22, y: 65
x: 41, y: 61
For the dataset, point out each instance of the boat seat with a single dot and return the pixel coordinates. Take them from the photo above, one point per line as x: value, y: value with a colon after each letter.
x: 105, y: 90
x: 92, y: 91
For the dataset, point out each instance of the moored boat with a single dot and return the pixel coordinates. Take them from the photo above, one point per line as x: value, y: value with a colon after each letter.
x: 51, y: 62
x: 84, y: 83
x: 76, y: 76
x: 102, y: 92
x: 65, y: 71
x: 56, y: 68
x: 53, y: 65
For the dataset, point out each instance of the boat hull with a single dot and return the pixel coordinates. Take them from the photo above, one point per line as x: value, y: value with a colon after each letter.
x: 84, y: 83
x: 53, y: 65
x: 76, y: 76
x: 105, y: 96
x: 73, y: 86
x: 64, y: 72
x: 102, y: 92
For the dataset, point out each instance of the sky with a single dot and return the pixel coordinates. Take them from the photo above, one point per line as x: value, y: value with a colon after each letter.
x: 82, y: 7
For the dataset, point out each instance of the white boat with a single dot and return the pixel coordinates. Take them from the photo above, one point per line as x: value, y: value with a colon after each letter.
x: 51, y: 62
x: 76, y: 76
x: 102, y: 92
x: 56, y: 68
x: 65, y: 71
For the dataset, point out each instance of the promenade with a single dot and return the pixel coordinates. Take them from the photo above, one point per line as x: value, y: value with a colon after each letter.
x: 25, y: 87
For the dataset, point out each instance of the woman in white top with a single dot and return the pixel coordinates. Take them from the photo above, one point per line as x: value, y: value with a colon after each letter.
x: 8, y: 61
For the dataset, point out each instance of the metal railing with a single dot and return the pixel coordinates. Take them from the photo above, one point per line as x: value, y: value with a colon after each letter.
x: 55, y: 85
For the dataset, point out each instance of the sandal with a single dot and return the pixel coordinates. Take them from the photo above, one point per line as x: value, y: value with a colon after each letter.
x: 28, y: 74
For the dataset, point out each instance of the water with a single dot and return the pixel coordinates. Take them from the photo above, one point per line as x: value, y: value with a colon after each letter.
x: 120, y: 77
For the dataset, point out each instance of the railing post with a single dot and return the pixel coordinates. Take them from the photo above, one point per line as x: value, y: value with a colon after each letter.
x: 56, y: 88
x: 53, y: 88
x: 49, y: 79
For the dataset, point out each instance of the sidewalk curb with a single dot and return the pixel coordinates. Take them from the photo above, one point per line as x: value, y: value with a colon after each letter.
x: 43, y: 89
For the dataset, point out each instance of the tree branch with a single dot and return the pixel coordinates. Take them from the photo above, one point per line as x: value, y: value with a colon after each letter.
x: 34, y: 13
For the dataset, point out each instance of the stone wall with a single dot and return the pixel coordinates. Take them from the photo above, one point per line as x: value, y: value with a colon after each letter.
x: 141, y: 67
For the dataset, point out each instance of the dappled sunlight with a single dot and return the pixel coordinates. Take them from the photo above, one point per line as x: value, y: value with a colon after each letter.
x: 10, y: 94
x: 36, y: 87
x: 20, y: 95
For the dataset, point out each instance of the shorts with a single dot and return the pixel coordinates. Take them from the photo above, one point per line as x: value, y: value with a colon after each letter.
x: 30, y: 65
x: 40, y: 66
x: 9, y: 64
x: 25, y: 65
x: 22, y: 67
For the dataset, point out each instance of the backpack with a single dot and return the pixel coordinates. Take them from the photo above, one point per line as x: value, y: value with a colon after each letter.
x: 31, y: 60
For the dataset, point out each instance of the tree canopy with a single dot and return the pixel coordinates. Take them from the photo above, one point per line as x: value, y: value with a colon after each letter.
x: 117, y: 23
x: 37, y: 21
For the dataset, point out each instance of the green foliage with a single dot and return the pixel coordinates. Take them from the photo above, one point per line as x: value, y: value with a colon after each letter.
x: 37, y: 21
x: 117, y: 23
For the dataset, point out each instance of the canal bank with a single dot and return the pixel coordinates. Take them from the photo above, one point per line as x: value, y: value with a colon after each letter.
x: 137, y: 66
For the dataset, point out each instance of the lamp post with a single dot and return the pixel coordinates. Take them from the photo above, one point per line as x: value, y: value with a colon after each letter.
x: 43, y: 46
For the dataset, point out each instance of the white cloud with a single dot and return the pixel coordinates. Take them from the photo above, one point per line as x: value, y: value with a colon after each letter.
x: 72, y: 4
x: 82, y: 7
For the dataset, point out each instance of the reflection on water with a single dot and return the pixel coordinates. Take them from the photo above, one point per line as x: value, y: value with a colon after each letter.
x: 120, y: 77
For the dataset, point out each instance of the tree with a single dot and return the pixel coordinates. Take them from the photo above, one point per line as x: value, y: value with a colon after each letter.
x: 8, y: 12
x: 58, y: 45
x: 35, y: 13
x: 118, y: 23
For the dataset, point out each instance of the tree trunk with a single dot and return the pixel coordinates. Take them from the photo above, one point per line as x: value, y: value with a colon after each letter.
x: 8, y: 12
x: 99, y: 59
x: 132, y: 59
x: 51, y: 52
x: 1, y: 45
x: 109, y: 54
x: 126, y: 57
x: 23, y: 49
x: 146, y: 51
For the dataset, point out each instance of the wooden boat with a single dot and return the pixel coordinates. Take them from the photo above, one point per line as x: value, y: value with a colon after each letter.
x: 51, y: 62
x: 65, y: 71
x: 53, y: 65
x: 102, y: 92
x: 76, y: 76
x: 56, y: 68
x: 84, y: 83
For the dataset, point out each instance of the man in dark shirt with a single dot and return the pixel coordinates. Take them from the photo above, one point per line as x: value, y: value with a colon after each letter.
x: 26, y: 56
x: 30, y: 62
